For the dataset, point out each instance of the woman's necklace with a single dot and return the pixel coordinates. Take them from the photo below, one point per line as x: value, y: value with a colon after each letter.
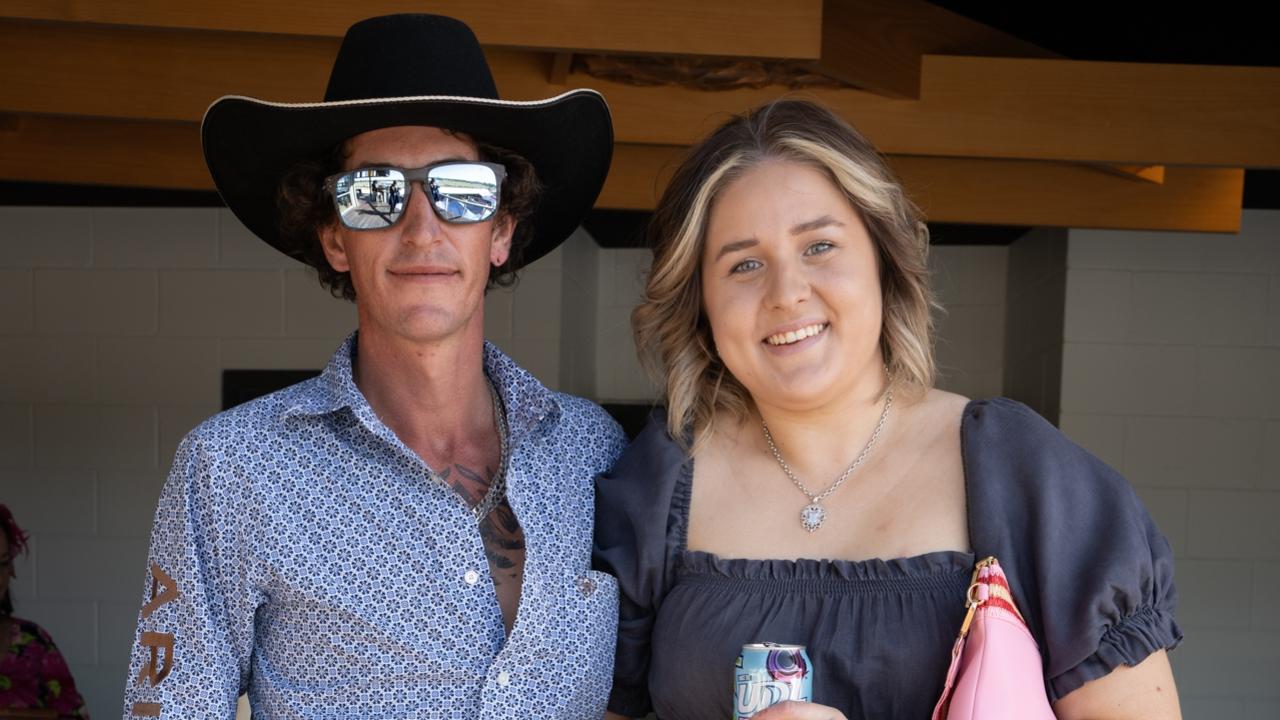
x: 813, y: 514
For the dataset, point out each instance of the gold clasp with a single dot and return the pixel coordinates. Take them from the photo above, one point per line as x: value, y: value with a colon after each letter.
x: 970, y: 600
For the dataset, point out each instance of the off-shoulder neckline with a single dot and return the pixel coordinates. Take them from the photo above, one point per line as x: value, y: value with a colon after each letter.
x: 682, y: 494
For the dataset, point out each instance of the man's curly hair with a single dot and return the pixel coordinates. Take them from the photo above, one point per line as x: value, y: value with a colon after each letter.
x: 305, y: 207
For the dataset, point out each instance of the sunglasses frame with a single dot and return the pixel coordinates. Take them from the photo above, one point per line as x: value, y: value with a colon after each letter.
x: 419, y: 175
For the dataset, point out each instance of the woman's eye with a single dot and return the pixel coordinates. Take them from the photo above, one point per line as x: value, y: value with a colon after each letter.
x: 819, y: 248
x: 745, y: 266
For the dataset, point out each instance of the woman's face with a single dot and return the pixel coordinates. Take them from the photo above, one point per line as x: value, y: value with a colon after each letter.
x: 791, y: 287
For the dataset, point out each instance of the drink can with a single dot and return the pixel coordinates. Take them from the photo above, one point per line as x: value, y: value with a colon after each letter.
x: 769, y: 673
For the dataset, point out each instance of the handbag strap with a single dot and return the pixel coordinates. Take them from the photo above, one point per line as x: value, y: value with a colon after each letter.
x: 989, y: 591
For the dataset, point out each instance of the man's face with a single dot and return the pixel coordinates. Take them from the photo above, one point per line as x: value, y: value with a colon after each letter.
x: 423, y: 279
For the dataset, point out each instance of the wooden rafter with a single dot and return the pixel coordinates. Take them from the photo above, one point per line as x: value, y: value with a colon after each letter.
x: 746, y: 28
x: 167, y: 155
x: 1005, y: 192
x: 1088, y: 112
x: 879, y: 45
x: 104, y: 152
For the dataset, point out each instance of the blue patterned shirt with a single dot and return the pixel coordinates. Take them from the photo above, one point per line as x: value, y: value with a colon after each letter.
x: 303, y: 554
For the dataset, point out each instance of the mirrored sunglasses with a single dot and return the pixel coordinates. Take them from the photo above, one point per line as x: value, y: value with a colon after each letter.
x: 375, y: 198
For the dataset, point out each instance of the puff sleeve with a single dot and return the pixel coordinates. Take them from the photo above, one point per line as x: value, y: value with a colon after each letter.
x: 639, y: 527
x: 1090, y: 570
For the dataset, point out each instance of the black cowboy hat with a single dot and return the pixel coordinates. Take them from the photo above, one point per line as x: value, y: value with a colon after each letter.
x: 411, y: 70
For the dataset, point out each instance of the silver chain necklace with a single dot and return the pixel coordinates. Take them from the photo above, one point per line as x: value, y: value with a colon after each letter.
x: 813, y: 514
x: 498, y: 485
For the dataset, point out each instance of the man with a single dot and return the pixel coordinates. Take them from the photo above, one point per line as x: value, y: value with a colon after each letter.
x: 409, y: 534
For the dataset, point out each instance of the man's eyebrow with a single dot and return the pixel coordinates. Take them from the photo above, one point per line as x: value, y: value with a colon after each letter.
x: 736, y: 245
x: 372, y: 163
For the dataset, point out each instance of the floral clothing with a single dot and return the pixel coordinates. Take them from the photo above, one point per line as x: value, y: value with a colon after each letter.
x: 34, y: 675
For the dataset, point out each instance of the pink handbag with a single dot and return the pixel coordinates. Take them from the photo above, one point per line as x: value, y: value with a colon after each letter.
x: 995, y: 664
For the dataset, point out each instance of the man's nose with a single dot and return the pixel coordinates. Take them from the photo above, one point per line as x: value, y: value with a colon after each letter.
x: 420, y: 222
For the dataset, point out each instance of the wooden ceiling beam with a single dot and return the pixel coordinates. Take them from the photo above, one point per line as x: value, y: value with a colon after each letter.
x: 1122, y: 113
x: 1087, y: 112
x: 119, y: 153
x: 746, y: 28
x: 1144, y: 173
x: 1010, y: 192
x: 879, y: 45
x: 146, y: 74
x: 1000, y: 192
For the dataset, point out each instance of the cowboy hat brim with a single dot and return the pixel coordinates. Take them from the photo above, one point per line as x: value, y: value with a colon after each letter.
x: 250, y: 145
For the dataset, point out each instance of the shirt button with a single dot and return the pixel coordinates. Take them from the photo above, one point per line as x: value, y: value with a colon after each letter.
x: 504, y: 678
x: 586, y: 586
x: 471, y: 577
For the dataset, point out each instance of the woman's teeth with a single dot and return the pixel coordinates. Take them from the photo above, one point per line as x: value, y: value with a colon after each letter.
x: 795, y: 336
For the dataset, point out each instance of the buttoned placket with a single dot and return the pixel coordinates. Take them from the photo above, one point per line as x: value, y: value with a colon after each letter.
x: 523, y: 426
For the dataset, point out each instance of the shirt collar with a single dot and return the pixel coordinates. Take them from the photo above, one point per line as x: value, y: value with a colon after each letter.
x: 334, y: 389
x: 528, y: 403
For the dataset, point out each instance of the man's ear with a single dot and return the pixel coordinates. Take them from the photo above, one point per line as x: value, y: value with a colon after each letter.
x: 335, y: 252
x: 504, y: 227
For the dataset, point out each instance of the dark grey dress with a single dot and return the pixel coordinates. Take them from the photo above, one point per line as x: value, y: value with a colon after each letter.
x: 1088, y: 568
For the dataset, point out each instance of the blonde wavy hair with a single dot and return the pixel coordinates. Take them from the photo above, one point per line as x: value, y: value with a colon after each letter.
x: 672, y: 334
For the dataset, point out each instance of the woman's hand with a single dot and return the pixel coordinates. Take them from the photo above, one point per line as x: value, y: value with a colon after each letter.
x: 792, y: 710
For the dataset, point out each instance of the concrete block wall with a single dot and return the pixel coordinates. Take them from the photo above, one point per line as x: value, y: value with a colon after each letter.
x: 525, y: 320
x: 1171, y: 373
x: 579, y: 292
x: 621, y: 275
x: 970, y: 283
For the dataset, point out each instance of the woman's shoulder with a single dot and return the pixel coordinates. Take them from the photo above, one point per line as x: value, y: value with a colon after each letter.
x: 652, y: 451
x: 1002, y: 415
x: 1016, y: 459
x: 936, y: 412
x: 646, y: 473
x: 1005, y: 433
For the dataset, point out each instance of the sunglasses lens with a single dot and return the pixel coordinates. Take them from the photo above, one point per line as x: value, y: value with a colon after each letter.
x: 371, y: 198
x: 463, y: 192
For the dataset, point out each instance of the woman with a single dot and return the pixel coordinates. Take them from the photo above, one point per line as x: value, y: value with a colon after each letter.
x: 33, y: 675
x: 807, y: 484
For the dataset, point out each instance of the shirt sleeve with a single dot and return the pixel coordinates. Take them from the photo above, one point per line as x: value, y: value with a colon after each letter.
x: 195, y: 629
x: 1087, y: 564
x: 641, y: 510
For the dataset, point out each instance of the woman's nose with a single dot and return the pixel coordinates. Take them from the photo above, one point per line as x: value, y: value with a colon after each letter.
x: 788, y: 285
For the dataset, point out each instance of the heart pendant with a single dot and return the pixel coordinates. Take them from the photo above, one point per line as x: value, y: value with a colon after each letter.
x: 811, y: 516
